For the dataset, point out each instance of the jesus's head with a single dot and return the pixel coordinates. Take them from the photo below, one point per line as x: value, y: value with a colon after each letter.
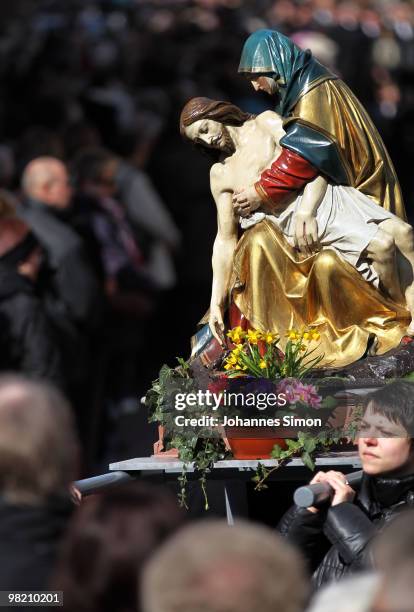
x: 205, y: 122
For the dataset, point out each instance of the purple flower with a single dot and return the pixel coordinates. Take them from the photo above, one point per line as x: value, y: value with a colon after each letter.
x: 296, y: 391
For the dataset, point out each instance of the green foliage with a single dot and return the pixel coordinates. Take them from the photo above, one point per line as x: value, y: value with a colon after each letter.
x: 306, y: 447
x: 296, y: 362
x: 201, y: 454
x: 256, y: 353
x: 198, y: 447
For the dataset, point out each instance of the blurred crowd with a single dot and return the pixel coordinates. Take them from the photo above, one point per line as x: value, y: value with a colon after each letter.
x: 106, y: 228
x: 132, y: 549
x: 111, y: 210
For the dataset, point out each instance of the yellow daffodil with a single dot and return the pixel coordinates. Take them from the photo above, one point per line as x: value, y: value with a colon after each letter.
x: 292, y: 334
x: 236, y: 335
x: 262, y: 364
x: 269, y: 337
x: 232, y: 359
x: 306, y: 336
x: 237, y: 350
x: 315, y: 335
x: 253, y: 336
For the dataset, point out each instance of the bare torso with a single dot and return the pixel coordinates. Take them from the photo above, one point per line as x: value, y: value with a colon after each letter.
x: 258, y: 147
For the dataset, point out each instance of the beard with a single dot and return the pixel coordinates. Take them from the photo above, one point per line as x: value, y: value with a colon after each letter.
x: 227, y: 144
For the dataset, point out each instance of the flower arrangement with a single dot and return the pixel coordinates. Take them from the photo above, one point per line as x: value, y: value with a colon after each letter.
x: 253, y: 355
x: 298, y: 392
x: 257, y: 353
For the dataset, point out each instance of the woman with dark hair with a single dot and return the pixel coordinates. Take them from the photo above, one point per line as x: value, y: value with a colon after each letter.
x: 336, y: 538
x: 110, y: 538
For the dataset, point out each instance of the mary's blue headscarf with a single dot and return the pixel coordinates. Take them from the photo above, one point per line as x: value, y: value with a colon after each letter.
x: 268, y: 51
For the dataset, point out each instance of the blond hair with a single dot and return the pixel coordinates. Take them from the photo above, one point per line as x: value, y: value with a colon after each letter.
x: 38, y: 444
x: 211, y: 567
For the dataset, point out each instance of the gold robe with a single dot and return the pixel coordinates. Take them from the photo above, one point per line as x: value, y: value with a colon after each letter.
x: 277, y: 288
x: 331, y: 108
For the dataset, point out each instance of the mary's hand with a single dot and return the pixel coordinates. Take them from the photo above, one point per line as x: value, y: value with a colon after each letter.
x: 306, y: 232
x: 216, y: 324
x: 246, y: 201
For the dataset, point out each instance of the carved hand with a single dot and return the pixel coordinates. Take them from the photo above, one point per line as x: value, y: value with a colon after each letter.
x: 306, y: 232
x: 216, y: 323
x: 246, y: 201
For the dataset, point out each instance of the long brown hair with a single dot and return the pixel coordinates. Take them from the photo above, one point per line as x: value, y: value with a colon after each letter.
x: 217, y: 110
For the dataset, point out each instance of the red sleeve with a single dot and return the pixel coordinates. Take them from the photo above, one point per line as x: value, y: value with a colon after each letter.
x: 290, y: 172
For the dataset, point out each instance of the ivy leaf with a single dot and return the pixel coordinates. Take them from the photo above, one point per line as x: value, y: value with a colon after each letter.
x: 276, y: 451
x: 308, y: 461
x: 293, y: 444
x: 164, y: 375
x: 310, y: 444
x: 329, y: 402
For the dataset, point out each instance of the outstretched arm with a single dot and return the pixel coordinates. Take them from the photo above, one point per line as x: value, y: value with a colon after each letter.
x: 223, y: 253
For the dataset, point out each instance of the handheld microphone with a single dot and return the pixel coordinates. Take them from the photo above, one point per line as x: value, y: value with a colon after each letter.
x: 319, y: 493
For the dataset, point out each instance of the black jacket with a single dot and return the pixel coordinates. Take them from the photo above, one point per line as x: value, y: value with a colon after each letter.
x: 27, y: 340
x: 335, y: 541
x: 30, y: 537
x: 68, y: 288
x: 72, y: 289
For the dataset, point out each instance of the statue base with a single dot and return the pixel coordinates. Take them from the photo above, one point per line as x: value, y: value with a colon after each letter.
x: 375, y: 370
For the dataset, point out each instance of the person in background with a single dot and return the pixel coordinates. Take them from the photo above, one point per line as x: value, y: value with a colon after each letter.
x: 393, y: 554
x: 109, y: 539
x: 68, y: 285
x: 26, y: 336
x: 150, y: 216
x: 48, y: 193
x: 212, y: 567
x: 120, y: 262
x: 336, y: 539
x: 38, y: 462
x: 389, y: 588
x: 102, y: 221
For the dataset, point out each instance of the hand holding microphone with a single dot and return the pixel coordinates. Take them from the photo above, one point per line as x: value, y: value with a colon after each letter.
x: 333, y: 487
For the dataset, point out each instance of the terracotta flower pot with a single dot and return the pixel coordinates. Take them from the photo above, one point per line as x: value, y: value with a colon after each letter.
x: 252, y: 442
x: 159, y: 448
